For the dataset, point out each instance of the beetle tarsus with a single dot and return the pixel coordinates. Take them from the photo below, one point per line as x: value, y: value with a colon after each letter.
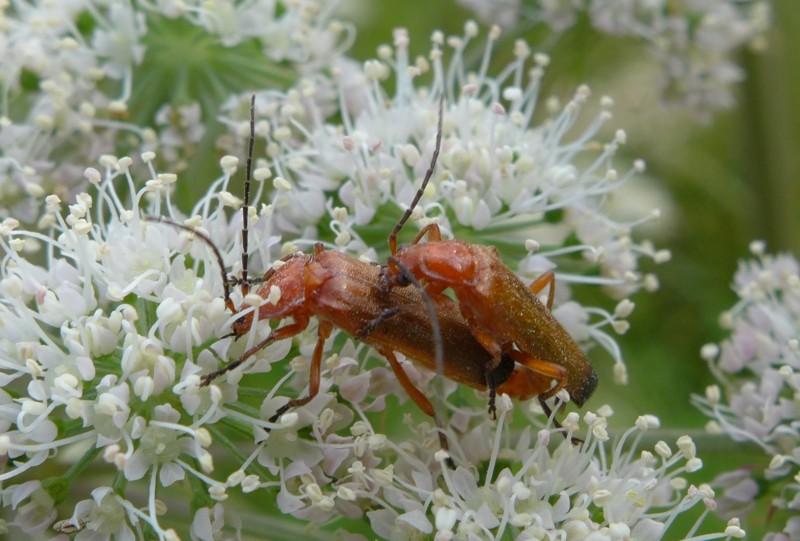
x: 372, y: 325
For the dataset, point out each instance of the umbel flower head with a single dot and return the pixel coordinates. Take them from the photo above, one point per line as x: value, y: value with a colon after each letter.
x: 71, y: 70
x: 758, y: 370
x: 110, y: 319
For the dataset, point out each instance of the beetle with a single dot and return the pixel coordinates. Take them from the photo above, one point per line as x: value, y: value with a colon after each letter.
x: 505, y: 316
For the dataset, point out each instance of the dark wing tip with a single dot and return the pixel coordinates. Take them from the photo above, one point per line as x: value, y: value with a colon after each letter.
x: 581, y: 393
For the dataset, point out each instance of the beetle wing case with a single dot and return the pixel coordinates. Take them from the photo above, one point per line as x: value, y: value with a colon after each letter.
x: 533, y: 329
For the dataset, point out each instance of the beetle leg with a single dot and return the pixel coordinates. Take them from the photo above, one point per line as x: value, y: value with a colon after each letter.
x: 372, y: 325
x: 416, y: 395
x: 523, y: 384
x: 492, y: 347
x: 552, y: 371
x: 545, y: 368
x: 549, y: 413
x: 282, y: 333
x: 323, y: 332
x: 433, y: 232
x: 497, y: 377
x: 548, y: 278
x: 485, y: 339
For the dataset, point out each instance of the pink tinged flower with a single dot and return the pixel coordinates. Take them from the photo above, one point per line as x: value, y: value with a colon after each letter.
x: 757, y: 368
x: 208, y: 522
x: 101, y: 517
x: 34, y: 507
x: 738, y: 493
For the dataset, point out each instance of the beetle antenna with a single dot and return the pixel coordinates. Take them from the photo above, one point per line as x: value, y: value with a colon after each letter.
x: 428, y: 175
x: 438, y: 348
x: 246, y: 201
x: 210, y: 243
x: 426, y: 298
x: 245, y: 221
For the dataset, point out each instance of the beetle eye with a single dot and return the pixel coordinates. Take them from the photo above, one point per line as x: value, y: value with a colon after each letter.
x: 402, y: 279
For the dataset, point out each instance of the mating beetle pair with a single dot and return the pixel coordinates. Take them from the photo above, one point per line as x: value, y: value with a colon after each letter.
x: 496, y: 335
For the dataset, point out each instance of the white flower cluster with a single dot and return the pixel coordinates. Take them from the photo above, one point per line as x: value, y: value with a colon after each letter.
x: 694, y: 42
x: 69, y: 68
x: 109, y: 318
x: 101, y: 351
x: 551, y: 490
x: 758, y: 369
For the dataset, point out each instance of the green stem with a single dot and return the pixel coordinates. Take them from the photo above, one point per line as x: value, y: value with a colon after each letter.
x: 77, y: 468
x: 228, y: 444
